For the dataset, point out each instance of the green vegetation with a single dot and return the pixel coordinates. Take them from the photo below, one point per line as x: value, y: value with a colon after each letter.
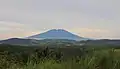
x: 73, y: 57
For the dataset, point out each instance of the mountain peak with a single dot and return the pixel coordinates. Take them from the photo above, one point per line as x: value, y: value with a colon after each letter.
x: 56, y: 34
x: 57, y: 30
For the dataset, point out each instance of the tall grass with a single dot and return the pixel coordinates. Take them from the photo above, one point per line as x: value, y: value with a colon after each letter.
x: 103, y: 59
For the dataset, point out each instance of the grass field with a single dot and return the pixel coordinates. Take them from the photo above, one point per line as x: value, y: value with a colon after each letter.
x: 102, y: 58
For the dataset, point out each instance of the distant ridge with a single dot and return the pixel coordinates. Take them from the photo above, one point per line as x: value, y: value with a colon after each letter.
x: 16, y: 41
x: 57, y: 34
x: 33, y: 42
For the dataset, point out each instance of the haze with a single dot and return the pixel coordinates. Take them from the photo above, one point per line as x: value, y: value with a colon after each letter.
x: 87, y: 18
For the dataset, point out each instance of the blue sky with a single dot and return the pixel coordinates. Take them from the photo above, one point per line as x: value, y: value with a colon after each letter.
x: 87, y: 18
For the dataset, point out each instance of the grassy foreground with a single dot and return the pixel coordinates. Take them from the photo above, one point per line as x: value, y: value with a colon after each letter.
x: 102, y: 59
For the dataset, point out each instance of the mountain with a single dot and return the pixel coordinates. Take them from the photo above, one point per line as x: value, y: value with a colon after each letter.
x: 52, y: 36
x: 17, y: 41
x: 33, y: 42
x: 57, y: 34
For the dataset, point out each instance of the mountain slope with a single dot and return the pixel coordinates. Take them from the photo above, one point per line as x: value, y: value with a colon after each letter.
x: 57, y: 34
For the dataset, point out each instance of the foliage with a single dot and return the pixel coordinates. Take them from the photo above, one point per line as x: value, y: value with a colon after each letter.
x: 19, y: 57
